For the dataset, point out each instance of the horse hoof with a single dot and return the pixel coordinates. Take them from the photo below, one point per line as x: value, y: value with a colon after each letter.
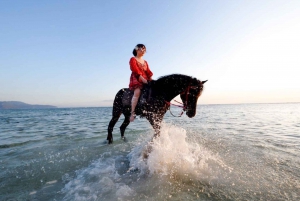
x: 124, y: 139
x: 108, y: 142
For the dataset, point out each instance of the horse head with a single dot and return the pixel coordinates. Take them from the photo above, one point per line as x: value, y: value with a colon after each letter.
x: 190, y: 96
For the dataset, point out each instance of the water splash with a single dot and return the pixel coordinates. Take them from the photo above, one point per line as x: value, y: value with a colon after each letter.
x: 178, y: 165
x: 176, y: 157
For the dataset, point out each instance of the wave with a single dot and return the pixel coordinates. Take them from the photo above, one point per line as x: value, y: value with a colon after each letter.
x: 16, y: 144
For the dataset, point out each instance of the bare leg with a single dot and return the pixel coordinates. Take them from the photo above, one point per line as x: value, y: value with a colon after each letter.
x: 134, y: 101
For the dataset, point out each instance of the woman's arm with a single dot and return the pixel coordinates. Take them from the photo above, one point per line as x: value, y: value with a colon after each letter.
x: 149, y: 72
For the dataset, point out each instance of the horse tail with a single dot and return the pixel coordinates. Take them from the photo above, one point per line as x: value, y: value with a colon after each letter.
x: 118, y: 105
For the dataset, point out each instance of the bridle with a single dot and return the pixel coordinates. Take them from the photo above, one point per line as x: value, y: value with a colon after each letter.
x: 182, y: 105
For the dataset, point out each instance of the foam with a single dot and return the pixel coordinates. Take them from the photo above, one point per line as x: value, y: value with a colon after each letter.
x: 117, y: 176
x: 173, y: 155
x: 124, y: 191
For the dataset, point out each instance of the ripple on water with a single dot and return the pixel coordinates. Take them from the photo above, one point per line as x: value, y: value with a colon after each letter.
x: 228, y: 152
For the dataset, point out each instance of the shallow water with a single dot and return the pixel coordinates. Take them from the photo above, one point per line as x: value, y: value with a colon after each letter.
x: 226, y: 152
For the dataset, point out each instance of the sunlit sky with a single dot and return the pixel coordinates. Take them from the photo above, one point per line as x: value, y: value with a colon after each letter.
x: 76, y: 53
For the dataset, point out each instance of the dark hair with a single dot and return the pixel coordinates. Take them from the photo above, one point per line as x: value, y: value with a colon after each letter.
x: 139, y: 46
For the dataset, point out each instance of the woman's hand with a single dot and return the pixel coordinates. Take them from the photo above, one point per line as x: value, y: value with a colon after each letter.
x: 142, y: 79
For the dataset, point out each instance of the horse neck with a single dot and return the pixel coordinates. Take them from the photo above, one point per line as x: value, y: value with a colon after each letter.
x: 174, y: 86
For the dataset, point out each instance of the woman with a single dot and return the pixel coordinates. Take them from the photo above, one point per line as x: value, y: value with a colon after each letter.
x: 140, y: 75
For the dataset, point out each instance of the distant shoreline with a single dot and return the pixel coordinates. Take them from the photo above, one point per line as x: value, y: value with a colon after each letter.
x: 7, y: 105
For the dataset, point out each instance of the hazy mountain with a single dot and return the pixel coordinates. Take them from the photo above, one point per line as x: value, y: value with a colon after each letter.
x: 20, y: 105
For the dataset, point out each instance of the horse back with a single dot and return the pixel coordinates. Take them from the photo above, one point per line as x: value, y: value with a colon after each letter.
x: 143, y: 99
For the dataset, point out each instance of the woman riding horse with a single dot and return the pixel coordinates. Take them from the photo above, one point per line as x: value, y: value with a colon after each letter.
x: 163, y: 91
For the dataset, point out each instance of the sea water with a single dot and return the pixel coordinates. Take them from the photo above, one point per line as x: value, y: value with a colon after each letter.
x: 226, y: 152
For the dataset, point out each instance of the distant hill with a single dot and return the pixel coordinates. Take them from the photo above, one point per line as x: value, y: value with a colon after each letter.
x: 20, y: 105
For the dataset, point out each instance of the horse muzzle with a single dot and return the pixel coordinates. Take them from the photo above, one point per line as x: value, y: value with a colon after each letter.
x: 190, y: 112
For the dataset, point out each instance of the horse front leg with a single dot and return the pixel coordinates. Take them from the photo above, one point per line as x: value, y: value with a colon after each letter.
x: 156, y: 127
x: 155, y: 121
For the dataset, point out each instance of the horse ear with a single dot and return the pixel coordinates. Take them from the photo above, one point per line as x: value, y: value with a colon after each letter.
x: 204, y: 81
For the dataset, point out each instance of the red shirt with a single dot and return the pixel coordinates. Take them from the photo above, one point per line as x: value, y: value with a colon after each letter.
x: 138, y: 70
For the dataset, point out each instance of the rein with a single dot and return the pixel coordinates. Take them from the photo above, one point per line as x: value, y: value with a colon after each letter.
x: 183, y: 106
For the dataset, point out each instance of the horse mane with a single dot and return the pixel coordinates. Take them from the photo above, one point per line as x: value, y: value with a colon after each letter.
x: 168, y: 78
x: 179, y: 81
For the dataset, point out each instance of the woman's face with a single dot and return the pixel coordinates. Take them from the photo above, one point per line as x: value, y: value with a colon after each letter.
x: 141, y: 51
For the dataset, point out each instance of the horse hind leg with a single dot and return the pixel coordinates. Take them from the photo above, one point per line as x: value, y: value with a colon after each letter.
x: 124, y: 125
x: 116, y: 113
x: 111, y: 125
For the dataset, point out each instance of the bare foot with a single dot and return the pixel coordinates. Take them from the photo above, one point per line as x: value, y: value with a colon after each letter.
x: 132, y: 117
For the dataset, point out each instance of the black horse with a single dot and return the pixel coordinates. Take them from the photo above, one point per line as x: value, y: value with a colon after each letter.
x: 155, y: 101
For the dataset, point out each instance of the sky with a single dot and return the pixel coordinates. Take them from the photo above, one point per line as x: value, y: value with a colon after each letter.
x: 76, y: 53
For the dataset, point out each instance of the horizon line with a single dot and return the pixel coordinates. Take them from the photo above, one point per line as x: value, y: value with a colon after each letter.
x: 197, y: 104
